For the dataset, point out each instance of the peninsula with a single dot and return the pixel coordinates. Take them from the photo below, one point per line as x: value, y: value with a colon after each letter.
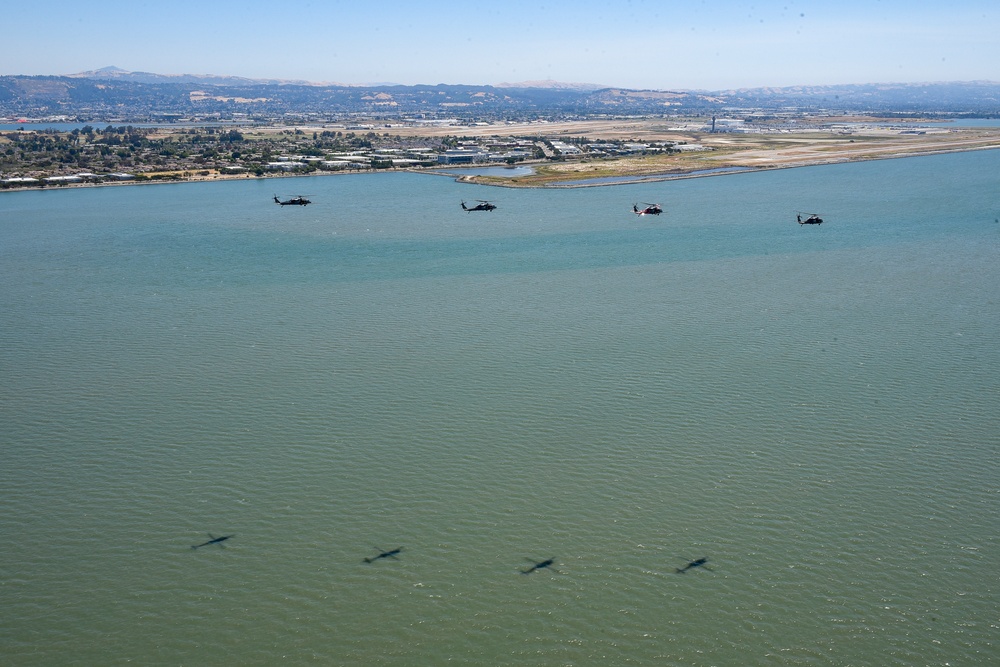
x: 120, y: 127
x: 579, y: 152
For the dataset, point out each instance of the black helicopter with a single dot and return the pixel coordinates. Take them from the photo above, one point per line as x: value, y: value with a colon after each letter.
x: 483, y: 205
x: 812, y: 219
x: 648, y: 209
x: 294, y: 201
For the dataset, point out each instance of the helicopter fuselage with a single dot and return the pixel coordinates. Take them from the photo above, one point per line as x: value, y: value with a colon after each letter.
x: 481, y: 206
x: 294, y: 201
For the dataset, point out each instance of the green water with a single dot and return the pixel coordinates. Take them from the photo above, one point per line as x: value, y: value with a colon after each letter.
x: 813, y: 409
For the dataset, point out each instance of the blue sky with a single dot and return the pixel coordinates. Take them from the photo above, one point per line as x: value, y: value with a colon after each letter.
x: 692, y: 44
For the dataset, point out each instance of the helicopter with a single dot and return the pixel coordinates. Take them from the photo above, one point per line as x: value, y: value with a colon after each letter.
x: 648, y: 209
x: 813, y: 219
x: 294, y: 201
x: 483, y: 205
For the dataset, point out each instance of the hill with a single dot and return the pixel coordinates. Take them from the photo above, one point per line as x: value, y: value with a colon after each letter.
x: 135, y: 96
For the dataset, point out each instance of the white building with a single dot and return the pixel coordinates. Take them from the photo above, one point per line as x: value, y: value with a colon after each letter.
x: 290, y: 165
x: 566, y: 149
x: 463, y: 156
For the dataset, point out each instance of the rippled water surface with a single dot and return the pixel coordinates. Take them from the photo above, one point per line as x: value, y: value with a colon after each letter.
x: 812, y: 409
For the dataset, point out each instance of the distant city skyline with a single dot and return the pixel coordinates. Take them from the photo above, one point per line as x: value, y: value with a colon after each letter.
x: 695, y: 45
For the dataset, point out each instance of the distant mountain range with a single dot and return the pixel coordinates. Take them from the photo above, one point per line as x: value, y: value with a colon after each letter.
x: 549, y: 83
x: 118, y: 74
x: 111, y: 92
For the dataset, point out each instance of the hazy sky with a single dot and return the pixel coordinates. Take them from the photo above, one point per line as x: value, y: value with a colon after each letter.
x: 687, y: 44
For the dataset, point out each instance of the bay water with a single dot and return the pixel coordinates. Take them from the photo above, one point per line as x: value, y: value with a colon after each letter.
x: 813, y: 409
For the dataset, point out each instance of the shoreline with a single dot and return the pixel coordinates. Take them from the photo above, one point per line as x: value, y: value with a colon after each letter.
x: 701, y: 173
x: 516, y: 183
x: 729, y: 154
x: 716, y: 155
